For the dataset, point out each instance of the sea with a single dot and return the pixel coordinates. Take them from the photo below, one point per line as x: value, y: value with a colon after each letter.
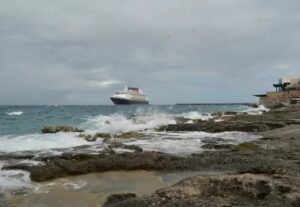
x: 20, y: 131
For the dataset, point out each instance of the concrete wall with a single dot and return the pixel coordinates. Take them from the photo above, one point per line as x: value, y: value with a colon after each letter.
x: 282, y: 97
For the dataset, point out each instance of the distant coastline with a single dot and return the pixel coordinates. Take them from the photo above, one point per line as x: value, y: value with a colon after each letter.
x: 217, y: 104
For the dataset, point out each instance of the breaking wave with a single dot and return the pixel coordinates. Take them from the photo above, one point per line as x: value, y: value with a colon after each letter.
x: 15, y: 113
x: 118, y: 123
x: 256, y: 111
x: 196, y: 115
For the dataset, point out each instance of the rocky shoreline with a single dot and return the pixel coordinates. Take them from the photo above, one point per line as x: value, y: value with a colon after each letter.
x: 260, y: 173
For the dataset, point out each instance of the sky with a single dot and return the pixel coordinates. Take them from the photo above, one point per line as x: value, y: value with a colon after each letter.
x: 176, y: 51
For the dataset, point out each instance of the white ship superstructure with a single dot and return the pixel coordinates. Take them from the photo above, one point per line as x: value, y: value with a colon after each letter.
x: 129, y: 95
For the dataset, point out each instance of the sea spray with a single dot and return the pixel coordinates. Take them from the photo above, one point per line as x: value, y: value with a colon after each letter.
x: 118, y: 123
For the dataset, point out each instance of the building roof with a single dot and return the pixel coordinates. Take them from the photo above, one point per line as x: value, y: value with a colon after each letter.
x: 261, y: 95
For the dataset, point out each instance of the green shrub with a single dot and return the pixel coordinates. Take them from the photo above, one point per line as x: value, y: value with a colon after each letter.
x: 247, y: 146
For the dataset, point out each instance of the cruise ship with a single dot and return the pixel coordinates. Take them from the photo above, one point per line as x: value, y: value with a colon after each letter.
x: 129, y: 95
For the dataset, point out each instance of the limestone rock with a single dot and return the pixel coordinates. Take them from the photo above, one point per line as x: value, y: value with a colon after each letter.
x: 56, y: 129
x: 116, y: 199
x: 225, y: 190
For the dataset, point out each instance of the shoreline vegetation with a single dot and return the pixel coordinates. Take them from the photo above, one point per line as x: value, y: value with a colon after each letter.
x: 264, y: 172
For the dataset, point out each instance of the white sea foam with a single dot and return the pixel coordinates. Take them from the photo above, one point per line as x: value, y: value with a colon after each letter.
x: 256, y: 111
x: 117, y: 123
x: 30, y: 162
x: 14, y: 179
x: 187, y: 142
x: 74, y: 185
x: 195, y: 115
x: 15, y: 113
x: 28, y: 142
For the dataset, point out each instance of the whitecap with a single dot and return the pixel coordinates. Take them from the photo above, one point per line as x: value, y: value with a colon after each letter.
x: 15, y: 113
x: 195, y: 115
x: 117, y: 123
x: 256, y: 111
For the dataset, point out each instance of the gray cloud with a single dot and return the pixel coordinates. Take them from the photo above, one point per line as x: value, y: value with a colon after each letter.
x: 79, y: 52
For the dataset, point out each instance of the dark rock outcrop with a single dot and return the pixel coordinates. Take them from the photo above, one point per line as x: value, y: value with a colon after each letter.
x: 224, y: 160
x: 115, y: 144
x: 102, y: 135
x: 230, y: 113
x: 87, y: 137
x: 217, y: 114
x: 132, y: 134
x: 117, y: 199
x: 214, y: 191
x: 220, y: 146
x: 56, y: 129
x: 213, y: 127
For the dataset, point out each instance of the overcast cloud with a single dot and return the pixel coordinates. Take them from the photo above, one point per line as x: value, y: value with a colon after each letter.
x: 80, y: 52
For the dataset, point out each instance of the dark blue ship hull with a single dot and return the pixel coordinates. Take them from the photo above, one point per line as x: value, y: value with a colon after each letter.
x: 119, y: 101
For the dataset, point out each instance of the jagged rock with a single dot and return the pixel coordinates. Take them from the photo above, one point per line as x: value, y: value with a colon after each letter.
x: 213, y: 127
x: 125, y: 146
x: 131, y: 134
x: 211, y: 140
x: 263, y: 169
x: 102, y: 135
x: 115, y: 144
x: 230, y: 113
x: 217, y: 114
x: 253, y: 105
x: 56, y: 129
x: 88, y: 137
x: 69, y: 164
x: 220, y: 146
x: 215, y: 191
x: 133, y: 147
x: 116, y: 199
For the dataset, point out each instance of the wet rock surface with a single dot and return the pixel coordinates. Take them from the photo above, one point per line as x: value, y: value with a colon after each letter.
x: 241, y: 122
x: 225, y: 190
x: 214, y: 127
x: 260, y: 173
x: 50, y: 130
x: 263, y: 173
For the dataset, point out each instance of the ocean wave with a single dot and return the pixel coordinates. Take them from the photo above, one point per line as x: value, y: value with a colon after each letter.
x: 195, y: 115
x: 140, y: 120
x: 256, y: 111
x: 117, y: 123
x: 9, y: 143
x: 14, y: 113
x: 188, y: 142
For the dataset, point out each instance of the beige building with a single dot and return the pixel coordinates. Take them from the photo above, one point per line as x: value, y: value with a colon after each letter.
x: 293, y: 82
x: 287, y: 92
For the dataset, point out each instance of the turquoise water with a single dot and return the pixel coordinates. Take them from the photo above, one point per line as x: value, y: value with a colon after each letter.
x: 20, y: 132
x: 20, y: 120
